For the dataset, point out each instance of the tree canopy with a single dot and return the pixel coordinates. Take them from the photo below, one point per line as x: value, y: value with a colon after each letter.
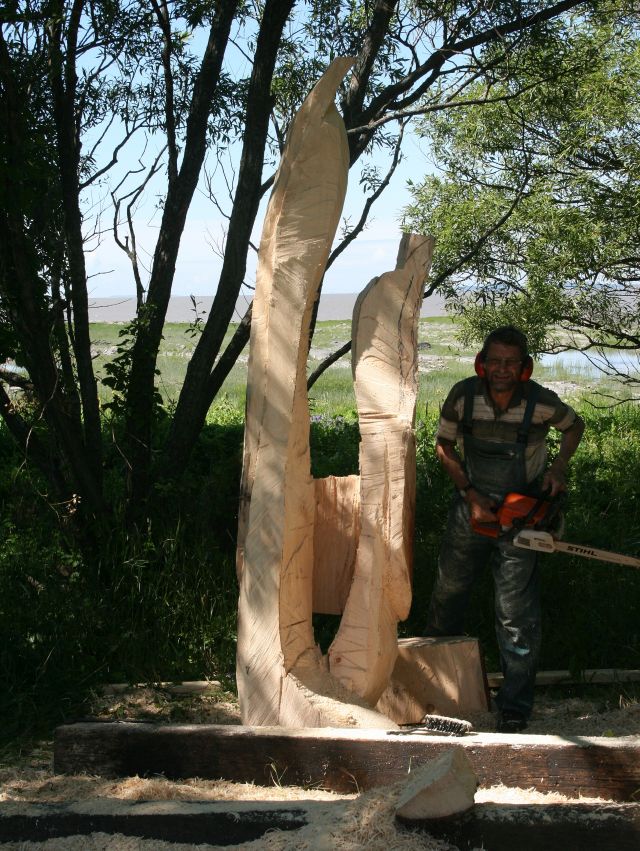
x: 535, y: 206
x: 83, y: 81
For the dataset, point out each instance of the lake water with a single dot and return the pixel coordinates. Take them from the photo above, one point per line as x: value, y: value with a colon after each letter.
x: 580, y: 362
x: 332, y: 306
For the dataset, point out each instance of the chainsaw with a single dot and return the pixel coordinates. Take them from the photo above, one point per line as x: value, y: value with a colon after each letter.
x: 533, y: 524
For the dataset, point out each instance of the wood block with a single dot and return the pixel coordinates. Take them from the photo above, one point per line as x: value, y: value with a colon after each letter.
x: 440, y: 789
x: 335, y: 541
x: 442, y: 676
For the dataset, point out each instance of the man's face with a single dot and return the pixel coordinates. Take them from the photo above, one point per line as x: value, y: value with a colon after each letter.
x: 503, y: 366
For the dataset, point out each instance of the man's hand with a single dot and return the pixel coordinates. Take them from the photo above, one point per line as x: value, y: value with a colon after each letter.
x: 554, y: 479
x: 481, y: 507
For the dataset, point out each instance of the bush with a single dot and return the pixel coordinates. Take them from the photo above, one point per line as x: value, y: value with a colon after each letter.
x: 168, y: 609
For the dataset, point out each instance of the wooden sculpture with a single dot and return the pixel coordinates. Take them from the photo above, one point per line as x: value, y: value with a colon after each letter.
x: 284, y: 515
x: 385, y: 345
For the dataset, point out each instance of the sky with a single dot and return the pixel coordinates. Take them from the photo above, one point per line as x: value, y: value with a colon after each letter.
x: 373, y: 253
x: 198, y: 268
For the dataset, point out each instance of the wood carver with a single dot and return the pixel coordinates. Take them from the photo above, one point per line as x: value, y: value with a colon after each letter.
x: 286, y: 519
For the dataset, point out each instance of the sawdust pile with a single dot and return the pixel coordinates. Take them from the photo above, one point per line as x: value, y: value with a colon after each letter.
x: 576, y: 717
x: 363, y: 821
x: 593, y: 716
x: 340, y: 822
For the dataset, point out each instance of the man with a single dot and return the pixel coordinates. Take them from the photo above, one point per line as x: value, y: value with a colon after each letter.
x: 491, y: 441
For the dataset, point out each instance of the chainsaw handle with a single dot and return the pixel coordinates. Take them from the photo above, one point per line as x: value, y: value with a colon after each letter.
x: 556, y: 505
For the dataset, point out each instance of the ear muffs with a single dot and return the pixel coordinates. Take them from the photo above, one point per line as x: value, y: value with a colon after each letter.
x: 525, y: 375
x: 478, y: 365
x: 527, y: 368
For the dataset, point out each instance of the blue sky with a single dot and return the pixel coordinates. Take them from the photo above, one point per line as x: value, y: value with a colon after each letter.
x: 373, y: 253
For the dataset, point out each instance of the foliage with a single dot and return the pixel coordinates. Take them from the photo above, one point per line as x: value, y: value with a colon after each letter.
x: 172, y: 608
x: 161, y: 605
x: 110, y: 108
x: 535, y: 210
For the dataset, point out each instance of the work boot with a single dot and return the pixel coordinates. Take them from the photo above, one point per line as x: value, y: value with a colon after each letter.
x: 511, y: 721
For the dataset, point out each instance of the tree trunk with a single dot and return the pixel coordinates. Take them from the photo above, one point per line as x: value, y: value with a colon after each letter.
x: 199, y: 388
x: 140, y: 395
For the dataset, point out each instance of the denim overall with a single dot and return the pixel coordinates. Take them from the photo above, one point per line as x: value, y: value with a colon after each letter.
x: 494, y: 469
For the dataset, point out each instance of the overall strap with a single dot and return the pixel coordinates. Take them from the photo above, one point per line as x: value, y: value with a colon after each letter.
x: 523, y: 431
x: 469, y: 395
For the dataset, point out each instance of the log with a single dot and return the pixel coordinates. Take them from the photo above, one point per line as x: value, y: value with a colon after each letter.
x: 384, y: 334
x: 588, y: 676
x: 345, y: 760
x: 574, y: 827
x: 539, y: 827
x: 439, y: 789
x: 581, y: 827
x: 441, y: 676
x: 188, y: 687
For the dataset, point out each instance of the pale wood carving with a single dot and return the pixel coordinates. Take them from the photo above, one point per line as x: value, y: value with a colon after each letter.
x: 441, y: 676
x: 336, y: 535
x: 384, y: 334
x: 281, y: 676
x: 345, y: 542
x: 442, y: 788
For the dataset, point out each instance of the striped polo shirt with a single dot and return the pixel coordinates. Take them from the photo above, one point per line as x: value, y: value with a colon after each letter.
x: 502, y: 427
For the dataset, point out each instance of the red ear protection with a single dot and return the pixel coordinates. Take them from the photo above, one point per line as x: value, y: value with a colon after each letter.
x: 527, y: 368
x: 525, y: 375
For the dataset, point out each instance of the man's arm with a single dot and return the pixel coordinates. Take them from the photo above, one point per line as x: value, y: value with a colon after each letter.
x: 480, y: 505
x: 555, y: 476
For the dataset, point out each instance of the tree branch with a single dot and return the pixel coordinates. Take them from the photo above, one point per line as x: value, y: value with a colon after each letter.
x: 162, y: 15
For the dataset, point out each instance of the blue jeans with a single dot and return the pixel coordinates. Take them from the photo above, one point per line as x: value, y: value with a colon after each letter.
x: 463, y: 554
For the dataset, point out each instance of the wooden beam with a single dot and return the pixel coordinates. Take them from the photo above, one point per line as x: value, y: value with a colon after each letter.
x: 188, y: 687
x: 169, y: 821
x: 502, y: 827
x: 540, y: 827
x: 589, y: 675
x: 345, y: 760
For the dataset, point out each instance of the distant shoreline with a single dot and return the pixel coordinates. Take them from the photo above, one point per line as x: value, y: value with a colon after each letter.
x: 332, y: 306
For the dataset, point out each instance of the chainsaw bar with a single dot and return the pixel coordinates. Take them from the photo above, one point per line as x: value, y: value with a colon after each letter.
x: 544, y: 542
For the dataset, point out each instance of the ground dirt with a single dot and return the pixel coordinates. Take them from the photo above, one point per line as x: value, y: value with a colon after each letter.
x: 340, y: 822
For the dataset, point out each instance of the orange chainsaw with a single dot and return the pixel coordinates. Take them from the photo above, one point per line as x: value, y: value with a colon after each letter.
x: 530, y: 523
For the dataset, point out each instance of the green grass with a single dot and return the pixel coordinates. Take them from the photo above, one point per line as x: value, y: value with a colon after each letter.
x: 443, y: 360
